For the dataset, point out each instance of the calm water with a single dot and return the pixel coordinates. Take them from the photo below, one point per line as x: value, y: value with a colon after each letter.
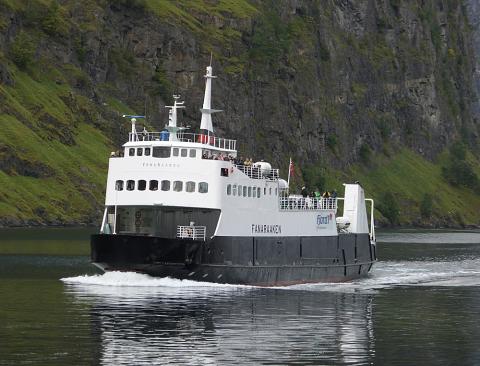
x: 420, y: 306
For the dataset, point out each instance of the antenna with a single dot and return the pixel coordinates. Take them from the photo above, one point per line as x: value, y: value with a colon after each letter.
x: 211, y: 58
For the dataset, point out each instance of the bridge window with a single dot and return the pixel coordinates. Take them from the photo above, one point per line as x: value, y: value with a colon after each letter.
x: 139, y: 151
x: 178, y: 186
x: 183, y: 153
x: 276, y: 191
x: 142, y: 185
x: 258, y: 192
x: 161, y: 152
x: 254, y: 192
x: 119, y: 185
x: 270, y: 191
x: 203, y: 187
x: 229, y: 189
x: 154, y: 185
x: 190, y: 187
x: 244, y: 191
x: 131, y: 152
x: 147, y: 151
x: 265, y: 191
x: 224, y: 172
x: 175, y: 151
x: 130, y: 185
x: 193, y: 153
x: 239, y: 191
x: 249, y: 191
x: 234, y: 190
x: 165, y: 185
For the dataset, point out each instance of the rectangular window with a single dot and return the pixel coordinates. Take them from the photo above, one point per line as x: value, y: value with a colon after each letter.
x: 153, y: 185
x: 165, y: 185
x: 202, y: 187
x: 178, y: 186
x: 183, y: 153
x: 239, y: 190
x: 175, y: 151
x: 224, y: 172
x: 142, y: 185
x: 130, y: 185
x: 270, y: 191
x: 229, y: 189
x: 244, y: 191
x: 258, y: 192
x: 131, y: 152
x: 249, y: 191
x: 234, y: 190
x: 254, y: 192
x: 139, y: 151
x: 193, y: 153
x: 190, y: 187
x: 265, y: 191
x: 147, y: 151
x: 276, y: 191
x: 161, y: 152
x: 119, y: 185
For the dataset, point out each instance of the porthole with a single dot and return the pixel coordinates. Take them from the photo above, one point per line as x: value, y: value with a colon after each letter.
x: 142, y: 185
x: 165, y: 186
x: 202, y: 187
x: 119, y: 185
x: 153, y: 185
x: 190, y: 187
x: 178, y: 186
x: 130, y: 185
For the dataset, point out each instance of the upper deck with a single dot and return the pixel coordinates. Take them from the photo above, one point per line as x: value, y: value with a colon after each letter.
x: 205, y: 140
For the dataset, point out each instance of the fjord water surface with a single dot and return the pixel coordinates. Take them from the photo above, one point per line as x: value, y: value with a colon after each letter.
x: 420, y: 305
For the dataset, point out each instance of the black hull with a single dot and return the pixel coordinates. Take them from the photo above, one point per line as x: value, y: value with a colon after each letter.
x: 261, y: 261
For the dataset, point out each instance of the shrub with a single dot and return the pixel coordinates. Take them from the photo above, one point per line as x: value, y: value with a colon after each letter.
x: 458, y: 171
x: 388, y: 206
x: 313, y: 177
x: 365, y: 153
x: 426, y: 206
x: 22, y: 50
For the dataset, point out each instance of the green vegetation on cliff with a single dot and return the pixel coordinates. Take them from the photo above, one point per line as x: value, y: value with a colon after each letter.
x: 351, y: 91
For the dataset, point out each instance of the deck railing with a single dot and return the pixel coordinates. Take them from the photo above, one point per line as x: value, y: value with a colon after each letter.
x: 203, y: 139
x: 191, y: 232
x: 258, y: 173
x: 307, y: 203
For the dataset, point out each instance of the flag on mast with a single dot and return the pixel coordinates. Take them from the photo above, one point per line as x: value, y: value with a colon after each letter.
x: 291, y: 171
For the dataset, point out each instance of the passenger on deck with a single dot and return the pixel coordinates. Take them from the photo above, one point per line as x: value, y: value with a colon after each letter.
x: 304, y: 192
x: 326, y: 194
x: 334, y: 194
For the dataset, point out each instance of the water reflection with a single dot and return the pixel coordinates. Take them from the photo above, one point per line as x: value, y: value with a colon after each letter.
x: 188, y: 324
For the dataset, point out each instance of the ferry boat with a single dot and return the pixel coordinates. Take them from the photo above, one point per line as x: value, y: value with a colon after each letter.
x: 181, y: 205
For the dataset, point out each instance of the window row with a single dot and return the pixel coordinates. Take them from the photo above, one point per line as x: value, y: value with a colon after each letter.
x: 162, y: 152
x: 165, y: 185
x: 244, y: 191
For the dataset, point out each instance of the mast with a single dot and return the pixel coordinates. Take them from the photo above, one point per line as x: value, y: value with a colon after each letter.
x: 207, y: 110
x: 172, y: 118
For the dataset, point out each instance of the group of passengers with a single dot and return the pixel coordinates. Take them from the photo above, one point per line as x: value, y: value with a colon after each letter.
x: 234, y: 160
x: 317, y: 194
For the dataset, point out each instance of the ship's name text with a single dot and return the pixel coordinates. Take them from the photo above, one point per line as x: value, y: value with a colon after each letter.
x: 266, y: 229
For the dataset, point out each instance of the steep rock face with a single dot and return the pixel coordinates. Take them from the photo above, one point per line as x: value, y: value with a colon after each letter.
x: 328, y: 83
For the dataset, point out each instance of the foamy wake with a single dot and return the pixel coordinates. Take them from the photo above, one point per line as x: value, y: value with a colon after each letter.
x: 384, y: 275
x: 133, y: 279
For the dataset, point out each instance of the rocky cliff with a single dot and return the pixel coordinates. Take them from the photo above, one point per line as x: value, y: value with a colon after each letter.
x: 378, y: 90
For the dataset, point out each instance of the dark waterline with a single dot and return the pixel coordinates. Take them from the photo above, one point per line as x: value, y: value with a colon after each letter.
x: 420, y: 306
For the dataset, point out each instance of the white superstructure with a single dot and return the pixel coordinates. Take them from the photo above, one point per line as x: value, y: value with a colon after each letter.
x: 199, y: 173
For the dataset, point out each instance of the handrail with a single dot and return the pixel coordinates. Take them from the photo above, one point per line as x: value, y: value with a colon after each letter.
x: 307, y: 203
x: 214, y: 141
x: 372, y: 220
x: 191, y: 232
x: 255, y: 172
